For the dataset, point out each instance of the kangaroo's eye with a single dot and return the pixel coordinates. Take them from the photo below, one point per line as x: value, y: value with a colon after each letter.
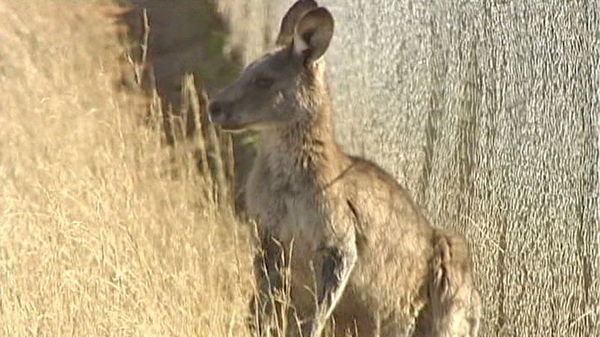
x: 264, y: 82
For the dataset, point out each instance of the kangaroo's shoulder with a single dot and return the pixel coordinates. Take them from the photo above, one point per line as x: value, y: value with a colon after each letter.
x: 370, y: 185
x: 366, y: 171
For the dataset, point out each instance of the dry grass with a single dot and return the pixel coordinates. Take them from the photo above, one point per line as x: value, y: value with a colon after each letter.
x: 102, y: 233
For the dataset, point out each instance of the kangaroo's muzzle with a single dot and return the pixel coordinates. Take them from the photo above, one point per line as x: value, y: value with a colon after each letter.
x: 220, y: 113
x: 215, y: 112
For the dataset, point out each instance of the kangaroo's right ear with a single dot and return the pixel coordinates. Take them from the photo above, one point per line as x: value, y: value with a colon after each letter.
x: 291, y: 18
x: 313, y: 35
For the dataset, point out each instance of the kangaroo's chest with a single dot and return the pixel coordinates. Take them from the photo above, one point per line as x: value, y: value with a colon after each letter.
x: 288, y: 206
x: 302, y: 218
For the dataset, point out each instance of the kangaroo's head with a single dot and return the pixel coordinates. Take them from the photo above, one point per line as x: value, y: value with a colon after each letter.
x: 282, y: 88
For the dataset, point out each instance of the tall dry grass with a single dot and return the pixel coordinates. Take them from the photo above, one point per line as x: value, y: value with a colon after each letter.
x: 103, y: 231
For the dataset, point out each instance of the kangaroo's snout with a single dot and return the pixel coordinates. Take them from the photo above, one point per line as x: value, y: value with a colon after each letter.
x: 216, y: 112
x: 222, y: 113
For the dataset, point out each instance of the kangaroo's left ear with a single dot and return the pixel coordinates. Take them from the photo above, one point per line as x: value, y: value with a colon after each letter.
x: 313, y: 34
x: 290, y: 20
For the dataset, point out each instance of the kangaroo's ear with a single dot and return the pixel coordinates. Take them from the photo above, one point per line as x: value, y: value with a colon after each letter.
x: 291, y: 18
x: 313, y: 34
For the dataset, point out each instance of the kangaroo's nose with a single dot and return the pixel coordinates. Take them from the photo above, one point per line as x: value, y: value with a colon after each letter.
x: 214, y: 109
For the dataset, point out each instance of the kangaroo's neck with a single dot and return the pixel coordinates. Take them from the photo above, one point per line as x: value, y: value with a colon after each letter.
x: 307, y: 148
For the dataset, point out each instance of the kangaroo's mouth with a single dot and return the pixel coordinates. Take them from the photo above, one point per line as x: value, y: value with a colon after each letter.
x: 233, y: 121
x: 230, y: 126
x: 227, y: 124
x: 233, y: 128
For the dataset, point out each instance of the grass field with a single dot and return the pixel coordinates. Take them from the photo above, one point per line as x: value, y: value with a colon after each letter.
x: 103, y: 231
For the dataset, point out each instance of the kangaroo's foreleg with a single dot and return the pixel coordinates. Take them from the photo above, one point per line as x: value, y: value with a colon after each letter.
x: 337, y: 266
x: 268, y: 266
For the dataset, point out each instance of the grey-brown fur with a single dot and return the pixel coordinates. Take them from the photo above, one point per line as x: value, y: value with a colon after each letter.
x: 336, y: 220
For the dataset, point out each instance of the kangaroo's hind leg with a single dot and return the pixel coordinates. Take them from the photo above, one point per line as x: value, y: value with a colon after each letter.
x: 454, y: 307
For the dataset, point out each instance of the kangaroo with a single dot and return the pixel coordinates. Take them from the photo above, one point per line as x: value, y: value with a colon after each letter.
x: 359, y: 256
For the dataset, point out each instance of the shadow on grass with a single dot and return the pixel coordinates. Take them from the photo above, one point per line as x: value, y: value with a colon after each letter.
x: 166, y: 42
